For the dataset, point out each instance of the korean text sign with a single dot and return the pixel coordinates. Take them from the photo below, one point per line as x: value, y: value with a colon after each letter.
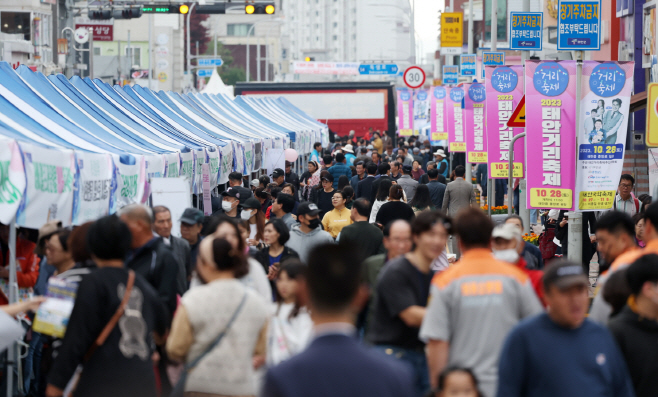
x: 421, y: 110
x: 504, y: 92
x: 438, y: 130
x: 551, y: 134
x: 604, y: 110
x: 579, y: 25
x: 455, y: 120
x: 452, y: 34
x: 467, y: 64
x: 474, y: 122
x: 405, y: 112
x: 450, y: 74
x: 526, y: 30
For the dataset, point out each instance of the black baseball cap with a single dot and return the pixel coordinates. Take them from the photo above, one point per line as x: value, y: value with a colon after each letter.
x: 231, y: 192
x: 278, y: 173
x: 565, y: 275
x: 192, y: 216
x: 250, y: 204
x: 407, y: 169
x: 307, y: 208
x: 329, y: 178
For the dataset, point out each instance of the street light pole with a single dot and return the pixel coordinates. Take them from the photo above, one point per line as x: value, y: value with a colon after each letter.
x: 189, y: 51
x: 249, y: 34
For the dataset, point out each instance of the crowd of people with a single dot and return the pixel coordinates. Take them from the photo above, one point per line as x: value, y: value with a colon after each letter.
x: 359, y: 277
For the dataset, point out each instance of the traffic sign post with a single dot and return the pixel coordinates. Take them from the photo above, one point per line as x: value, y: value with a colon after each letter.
x: 526, y: 30
x: 450, y: 74
x: 210, y: 62
x: 452, y: 34
x: 492, y: 58
x: 467, y: 65
x: 579, y: 25
x: 378, y: 69
x: 414, y: 77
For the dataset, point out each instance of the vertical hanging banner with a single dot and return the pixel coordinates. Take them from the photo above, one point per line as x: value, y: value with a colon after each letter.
x: 455, y: 120
x: 421, y: 110
x: 405, y: 112
x: 187, y: 167
x: 12, y: 180
x: 50, y: 185
x: 226, y: 161
x: 172, y: 165
x: 551, y: 133
x: 249, y: 157
x: 130, y: 174
x: 94, y: 193
x: 438, y: 130
x: 604, y: 109
x: 474, y: 110
x: 504, y: 92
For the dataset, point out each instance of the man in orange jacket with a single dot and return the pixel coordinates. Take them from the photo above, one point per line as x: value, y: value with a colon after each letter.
x: 27, y: 269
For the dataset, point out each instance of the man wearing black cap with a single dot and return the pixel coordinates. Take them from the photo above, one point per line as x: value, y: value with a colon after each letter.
x: 191, y: 223
x: 231, y: 199
x: 235, y: 181
x: 278, y: 177
x: 561, y: 352
x: 322, y: 197
x: 408, y: 183
x: 307, y: 234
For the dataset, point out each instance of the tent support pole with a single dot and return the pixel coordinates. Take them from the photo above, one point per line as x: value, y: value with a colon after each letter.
x: 13, y: 295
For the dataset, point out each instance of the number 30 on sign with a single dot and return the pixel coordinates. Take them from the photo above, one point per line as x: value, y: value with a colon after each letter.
x: 551, y: 198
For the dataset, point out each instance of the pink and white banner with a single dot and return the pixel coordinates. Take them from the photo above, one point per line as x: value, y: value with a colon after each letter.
x: 551, y: 133
x: 504, y: 92
x: 455, y: 120
x: 438, y: 127
x: 405, y: 112
x: 474, y: 122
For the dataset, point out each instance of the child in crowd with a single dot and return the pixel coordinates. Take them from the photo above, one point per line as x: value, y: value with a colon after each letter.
x: 457, y: 382
x: 291, y: 326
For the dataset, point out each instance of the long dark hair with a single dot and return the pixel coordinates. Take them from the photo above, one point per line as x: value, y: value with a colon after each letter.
x: 421, y: 198
x: 343, y: 181
x: 225, y: 257
x: 384, y: 188
x: 448, y: 371
x: 295, y: 270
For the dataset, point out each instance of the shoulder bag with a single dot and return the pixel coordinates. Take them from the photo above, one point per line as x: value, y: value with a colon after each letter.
x: 179, y: 390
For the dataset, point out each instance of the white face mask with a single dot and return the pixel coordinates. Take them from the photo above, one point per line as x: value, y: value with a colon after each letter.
x: 246, y: 215
x: 227, y: 206
x: 508, y: 255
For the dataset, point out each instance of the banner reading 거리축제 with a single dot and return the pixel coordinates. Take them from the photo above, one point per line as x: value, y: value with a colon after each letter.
x: 474, y: 116
x: 550, y: 133
x: 455, y: 120
x: 504, y: 92
x: 604, y: 110
x: 405, y: 113
x: 438, y: 130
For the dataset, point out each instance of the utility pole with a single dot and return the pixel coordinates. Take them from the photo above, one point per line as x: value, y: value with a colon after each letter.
x: 494, y: 25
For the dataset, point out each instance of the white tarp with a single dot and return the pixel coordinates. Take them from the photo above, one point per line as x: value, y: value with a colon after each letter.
x: 94, y: 186
x: 215, y: 86
x: 12, y: 180
x: 49, y: 193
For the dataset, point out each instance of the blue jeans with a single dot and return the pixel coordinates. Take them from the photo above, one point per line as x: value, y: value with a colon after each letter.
x: 33, y: 362
x: 533, y: 216
x: 416, y: 361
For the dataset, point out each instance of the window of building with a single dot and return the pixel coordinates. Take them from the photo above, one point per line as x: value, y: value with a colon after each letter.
x: 238, y: 29
x: 136, y: 55
x: 335, y: 24
x: 335, y: 37
x: 97, y: 51
x: 16, y: 23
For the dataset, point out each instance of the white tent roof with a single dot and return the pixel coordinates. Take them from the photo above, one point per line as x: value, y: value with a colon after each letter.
x: 216, y: 86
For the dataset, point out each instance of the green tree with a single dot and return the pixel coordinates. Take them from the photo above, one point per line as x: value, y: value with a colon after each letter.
x: 229, y: 74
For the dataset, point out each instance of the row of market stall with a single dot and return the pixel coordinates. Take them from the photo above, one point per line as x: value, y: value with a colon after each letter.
x: 79, y: 149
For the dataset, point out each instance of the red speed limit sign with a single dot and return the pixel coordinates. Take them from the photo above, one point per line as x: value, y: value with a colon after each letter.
x: 414, y: 77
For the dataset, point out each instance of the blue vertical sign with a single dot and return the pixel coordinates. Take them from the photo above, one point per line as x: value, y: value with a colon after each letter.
x: 467, y: 65
x: 450, y: 74
x: 579, y: 25
x: 526, y: 31
x: 492, y: 58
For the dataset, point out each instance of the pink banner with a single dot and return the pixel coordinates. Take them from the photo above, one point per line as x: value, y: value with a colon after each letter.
x: 504, y: 92
x: 474, y: 111
x: 438, y: 130
x: 405, y: 112
x: 455, y: 120
x: 551, y: 133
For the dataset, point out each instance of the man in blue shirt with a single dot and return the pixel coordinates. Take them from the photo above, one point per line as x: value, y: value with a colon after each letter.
x: 316, y: 153
x: 340, y: 168
x: 561, y: 353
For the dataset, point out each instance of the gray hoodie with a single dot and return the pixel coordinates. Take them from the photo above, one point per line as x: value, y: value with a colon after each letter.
x: 303, y: 243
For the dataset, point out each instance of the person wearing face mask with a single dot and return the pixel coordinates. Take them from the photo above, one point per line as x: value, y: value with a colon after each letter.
x: 307, y: 235
x: 231, y: 202
x: 251, y: 212
x: 508, y: 245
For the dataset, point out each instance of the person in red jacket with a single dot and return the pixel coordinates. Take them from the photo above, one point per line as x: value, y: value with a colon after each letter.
x: 507, y: 244
x: 27, y: 269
